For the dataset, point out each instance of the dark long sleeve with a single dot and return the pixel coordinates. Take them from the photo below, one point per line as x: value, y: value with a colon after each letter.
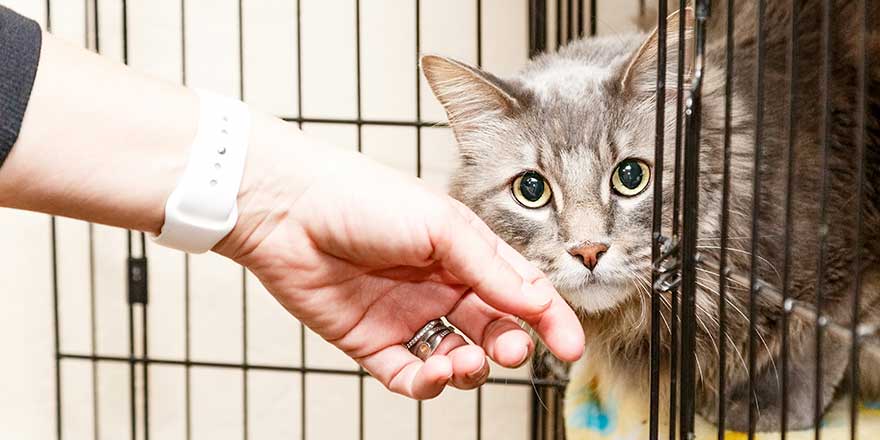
x: 20, y: 41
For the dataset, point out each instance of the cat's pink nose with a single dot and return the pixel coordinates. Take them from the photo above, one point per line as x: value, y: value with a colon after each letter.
x: 589, y: 254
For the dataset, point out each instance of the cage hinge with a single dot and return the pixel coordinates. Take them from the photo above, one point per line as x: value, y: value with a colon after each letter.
x: 667, y: 266
x: 137, y: 280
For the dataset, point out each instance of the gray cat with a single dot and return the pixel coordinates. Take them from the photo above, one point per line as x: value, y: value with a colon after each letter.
x: 558, y: 160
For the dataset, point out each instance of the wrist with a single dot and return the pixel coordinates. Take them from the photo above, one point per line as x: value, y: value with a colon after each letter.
x: 280, y: 166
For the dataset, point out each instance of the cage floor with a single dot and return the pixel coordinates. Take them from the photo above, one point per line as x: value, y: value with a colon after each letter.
x: 598, y: 409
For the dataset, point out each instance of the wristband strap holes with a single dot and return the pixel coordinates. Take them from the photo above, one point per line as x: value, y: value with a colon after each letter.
x: 202, y: 209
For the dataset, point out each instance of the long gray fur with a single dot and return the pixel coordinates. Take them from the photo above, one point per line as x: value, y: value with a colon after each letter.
x: 575, y: 114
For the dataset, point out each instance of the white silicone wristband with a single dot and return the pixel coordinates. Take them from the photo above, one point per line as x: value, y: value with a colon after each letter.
x: 203, y: 207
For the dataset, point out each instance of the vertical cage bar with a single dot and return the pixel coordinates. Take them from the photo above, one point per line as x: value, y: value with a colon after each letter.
x: 93, y: 330
x: 555, y: 424
x: 187, y: 394
x: 55, y: 326
x: 131, y: 344
x: 418, y: 36
x: 479, y: 428
x: 55, y: 315
x: 823, y: 214
x: 657, y: 220
x: 533, y: 37
x: 358, y: 99
x: 132, y: 389
x: 569, y: 18
x: 302, y: 327
x: 98, y: 29
x: 537, y: 26
x: 792, y: 65
x: 244, y: 354
x: 360, y: 148
x: 674, y: 352
x: 536, y: 415
x: 145, y: 365
x: 679, y: 114
x: 91, y: 231
x: 299, y: 109
x: 675, y: 338
x: 580, y: 18
x: 594, y: 14
x: 861, y: 109
x: 187, y: 347
x: 418, y: 111
x: 723, y: 271
x: 479, y: 30
x: 754, y: 288
x: 245, y: 413
x: 690, y: 228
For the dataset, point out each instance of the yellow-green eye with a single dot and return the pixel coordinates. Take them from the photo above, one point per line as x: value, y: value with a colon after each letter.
x: 531, y: 190
x: 630, y: 177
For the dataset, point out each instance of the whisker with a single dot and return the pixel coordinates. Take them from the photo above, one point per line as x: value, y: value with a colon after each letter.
x: 760, y: 336
x: 743, y: 251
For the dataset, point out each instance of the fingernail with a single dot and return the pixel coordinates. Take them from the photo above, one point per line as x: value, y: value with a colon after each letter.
x: 478, y: 372
x: 536, y: 295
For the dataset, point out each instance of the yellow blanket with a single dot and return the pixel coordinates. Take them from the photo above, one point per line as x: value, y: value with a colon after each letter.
x: 597, y: 410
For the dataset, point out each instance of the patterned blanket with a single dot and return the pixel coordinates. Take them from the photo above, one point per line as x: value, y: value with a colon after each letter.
x: 597, y: 410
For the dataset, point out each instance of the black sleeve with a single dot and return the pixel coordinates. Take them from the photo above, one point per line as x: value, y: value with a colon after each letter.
x: 20, y: 40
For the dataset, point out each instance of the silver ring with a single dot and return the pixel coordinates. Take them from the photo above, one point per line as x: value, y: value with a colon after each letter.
x: 428, y: 338
x: 421, y: 333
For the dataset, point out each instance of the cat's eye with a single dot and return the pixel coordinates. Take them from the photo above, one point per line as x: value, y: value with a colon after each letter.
x: 630, y: 177
x: 531, y: 190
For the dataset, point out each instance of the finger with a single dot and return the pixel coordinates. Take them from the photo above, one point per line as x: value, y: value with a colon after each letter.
x: 557, y: 324
x: 403, y: 373
x: 553, y: 326
x: 519, y: 263
x: 481, y: 264
x: 469, y: 366
x: 500, y: 334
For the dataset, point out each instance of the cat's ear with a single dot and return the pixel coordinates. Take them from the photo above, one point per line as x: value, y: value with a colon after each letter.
x: 468, y: 94
x: 640, y: 75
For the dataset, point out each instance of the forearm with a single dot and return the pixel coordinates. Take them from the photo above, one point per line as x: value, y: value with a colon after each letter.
x: 104, y: 144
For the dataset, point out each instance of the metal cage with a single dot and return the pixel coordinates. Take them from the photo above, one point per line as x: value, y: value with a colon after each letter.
x: 675, y: 257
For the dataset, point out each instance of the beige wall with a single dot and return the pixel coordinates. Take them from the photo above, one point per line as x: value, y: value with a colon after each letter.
x: 91, y: 259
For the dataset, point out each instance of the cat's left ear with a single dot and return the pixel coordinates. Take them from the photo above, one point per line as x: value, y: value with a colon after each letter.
x: 640, y: 75
x: 469, y: 95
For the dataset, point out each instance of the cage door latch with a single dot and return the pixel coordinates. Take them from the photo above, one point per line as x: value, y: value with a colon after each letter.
x: 668, y: 266
x: 137, y: 280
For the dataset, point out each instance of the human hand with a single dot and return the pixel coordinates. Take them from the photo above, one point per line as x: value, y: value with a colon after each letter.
x: 365, y: 256
x: 361, y: 254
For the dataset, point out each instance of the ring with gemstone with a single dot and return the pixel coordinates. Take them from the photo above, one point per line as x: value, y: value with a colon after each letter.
x: 428, y: 338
